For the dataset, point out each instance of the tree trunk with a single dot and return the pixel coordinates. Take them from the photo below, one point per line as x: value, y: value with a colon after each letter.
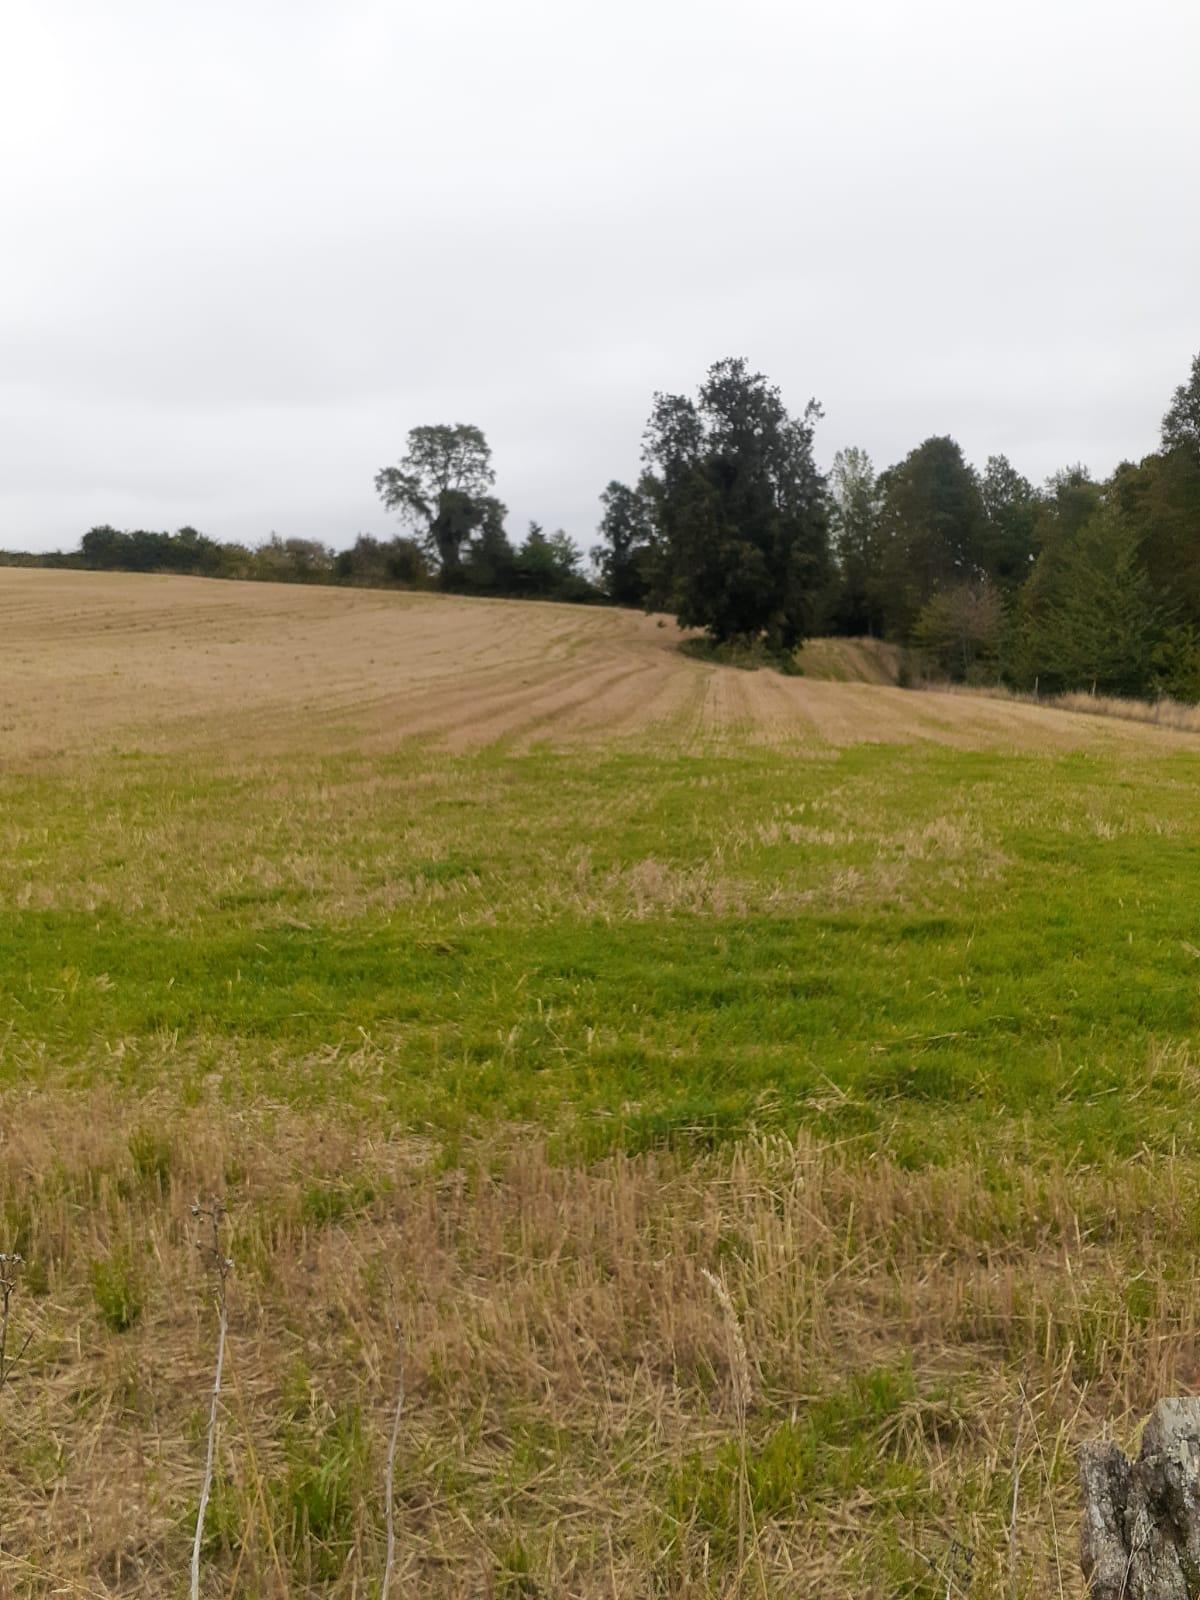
x: 1141, y: 1518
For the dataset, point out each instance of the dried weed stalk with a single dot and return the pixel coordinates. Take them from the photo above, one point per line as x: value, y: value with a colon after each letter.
x: 219, y: 1266
x: 739, y: 1365
x: 389, y: 1489
x: 10, y: 1269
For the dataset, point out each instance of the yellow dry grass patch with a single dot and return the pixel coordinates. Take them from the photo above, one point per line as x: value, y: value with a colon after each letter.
x: 105, y: 661
x: 564, y: 1352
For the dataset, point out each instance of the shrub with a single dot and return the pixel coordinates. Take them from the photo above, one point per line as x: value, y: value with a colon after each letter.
x: 958, y: 631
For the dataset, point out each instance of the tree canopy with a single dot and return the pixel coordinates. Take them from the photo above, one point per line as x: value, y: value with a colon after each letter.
x: 624, y: 555
x: 440, y: 488
x: 931, y: 529
x: 737, y: 507
x: 1181, y: 425
x: 854, y: 507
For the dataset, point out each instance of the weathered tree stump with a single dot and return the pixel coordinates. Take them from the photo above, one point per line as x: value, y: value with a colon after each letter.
x: 1141, y: 1519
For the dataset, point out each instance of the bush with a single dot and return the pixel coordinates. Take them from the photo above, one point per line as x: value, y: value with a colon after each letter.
x: 748, y: 653
x: 958, y: 631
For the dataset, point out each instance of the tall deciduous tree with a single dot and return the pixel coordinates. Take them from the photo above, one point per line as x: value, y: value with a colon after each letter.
x: 854, y: 505
x: 440, y: 488
x: 623, y: 553
x: 932, y: 530
x: 959, y: 630
x: 1181, y: 425
x: 489, y: 561
x: 1009, y: 518
x: 739, y: 508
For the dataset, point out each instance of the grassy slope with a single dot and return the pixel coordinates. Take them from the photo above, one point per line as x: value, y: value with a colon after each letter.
x: 862, y: 660
x: 898, y: 1042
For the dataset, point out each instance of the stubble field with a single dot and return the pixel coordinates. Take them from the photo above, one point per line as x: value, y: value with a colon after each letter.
x: 754, y: 1118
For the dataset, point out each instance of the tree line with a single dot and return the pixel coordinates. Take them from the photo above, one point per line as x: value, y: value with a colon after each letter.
x: 541, y: 566
x: 981, y: 575
x: 457, y: 540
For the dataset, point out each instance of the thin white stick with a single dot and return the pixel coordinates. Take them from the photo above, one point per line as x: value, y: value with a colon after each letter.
x: 212, y: 1447
x: 1012, y: 1522
x: 390, y: 1491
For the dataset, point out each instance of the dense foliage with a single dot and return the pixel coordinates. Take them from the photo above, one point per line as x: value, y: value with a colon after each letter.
x: 1075, y: 585
x: 737, y: 509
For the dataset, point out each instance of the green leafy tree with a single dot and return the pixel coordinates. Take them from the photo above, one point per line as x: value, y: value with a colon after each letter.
x: 440, y: 487
x: 622, y: 558
x: 1181, y: 425
x: 932, y: 525
x: 959, y: 629
x: 237, y: 561
x: 854, y: 506
x: 378, y: 563
x: 101, y: 547
x: 293, y: 561
x: 739, y: 509
x: 1010, y: 505
x: 1159, y: 500
x: 490, y: 561
x: 1070, y: 500
x: 1175, y: 664
x: 547, y: 565
x: 146, y: 550
x: 1096, y: 619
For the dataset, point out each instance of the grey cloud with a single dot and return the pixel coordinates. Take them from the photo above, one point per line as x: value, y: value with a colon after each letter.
x: 247, y: 246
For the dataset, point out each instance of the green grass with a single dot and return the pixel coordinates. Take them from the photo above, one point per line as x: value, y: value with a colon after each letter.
x: 901, y: 943
x: 844, y: 1442
x: 118, y: 1291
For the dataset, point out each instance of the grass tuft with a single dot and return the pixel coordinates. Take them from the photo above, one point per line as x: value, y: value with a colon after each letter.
x: 118, y: 1290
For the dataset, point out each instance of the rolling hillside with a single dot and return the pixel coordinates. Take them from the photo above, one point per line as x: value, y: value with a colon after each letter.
x: 104, y: 661
x: 749, y: 1123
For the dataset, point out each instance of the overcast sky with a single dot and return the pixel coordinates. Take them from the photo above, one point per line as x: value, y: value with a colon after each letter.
x: 245, y: 245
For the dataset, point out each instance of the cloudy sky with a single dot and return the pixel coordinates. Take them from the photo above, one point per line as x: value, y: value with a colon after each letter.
x: 245, y: 245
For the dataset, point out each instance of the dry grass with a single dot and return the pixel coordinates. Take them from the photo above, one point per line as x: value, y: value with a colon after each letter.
x: 574, y: 1385
x: 334, y: 982
x: 1175, y: 715
x: 110, y: 662
x: 862, y: 660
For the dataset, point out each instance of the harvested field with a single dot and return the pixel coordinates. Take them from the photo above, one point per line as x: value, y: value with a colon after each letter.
x: 756, y: 1120
x: 105, y: 662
